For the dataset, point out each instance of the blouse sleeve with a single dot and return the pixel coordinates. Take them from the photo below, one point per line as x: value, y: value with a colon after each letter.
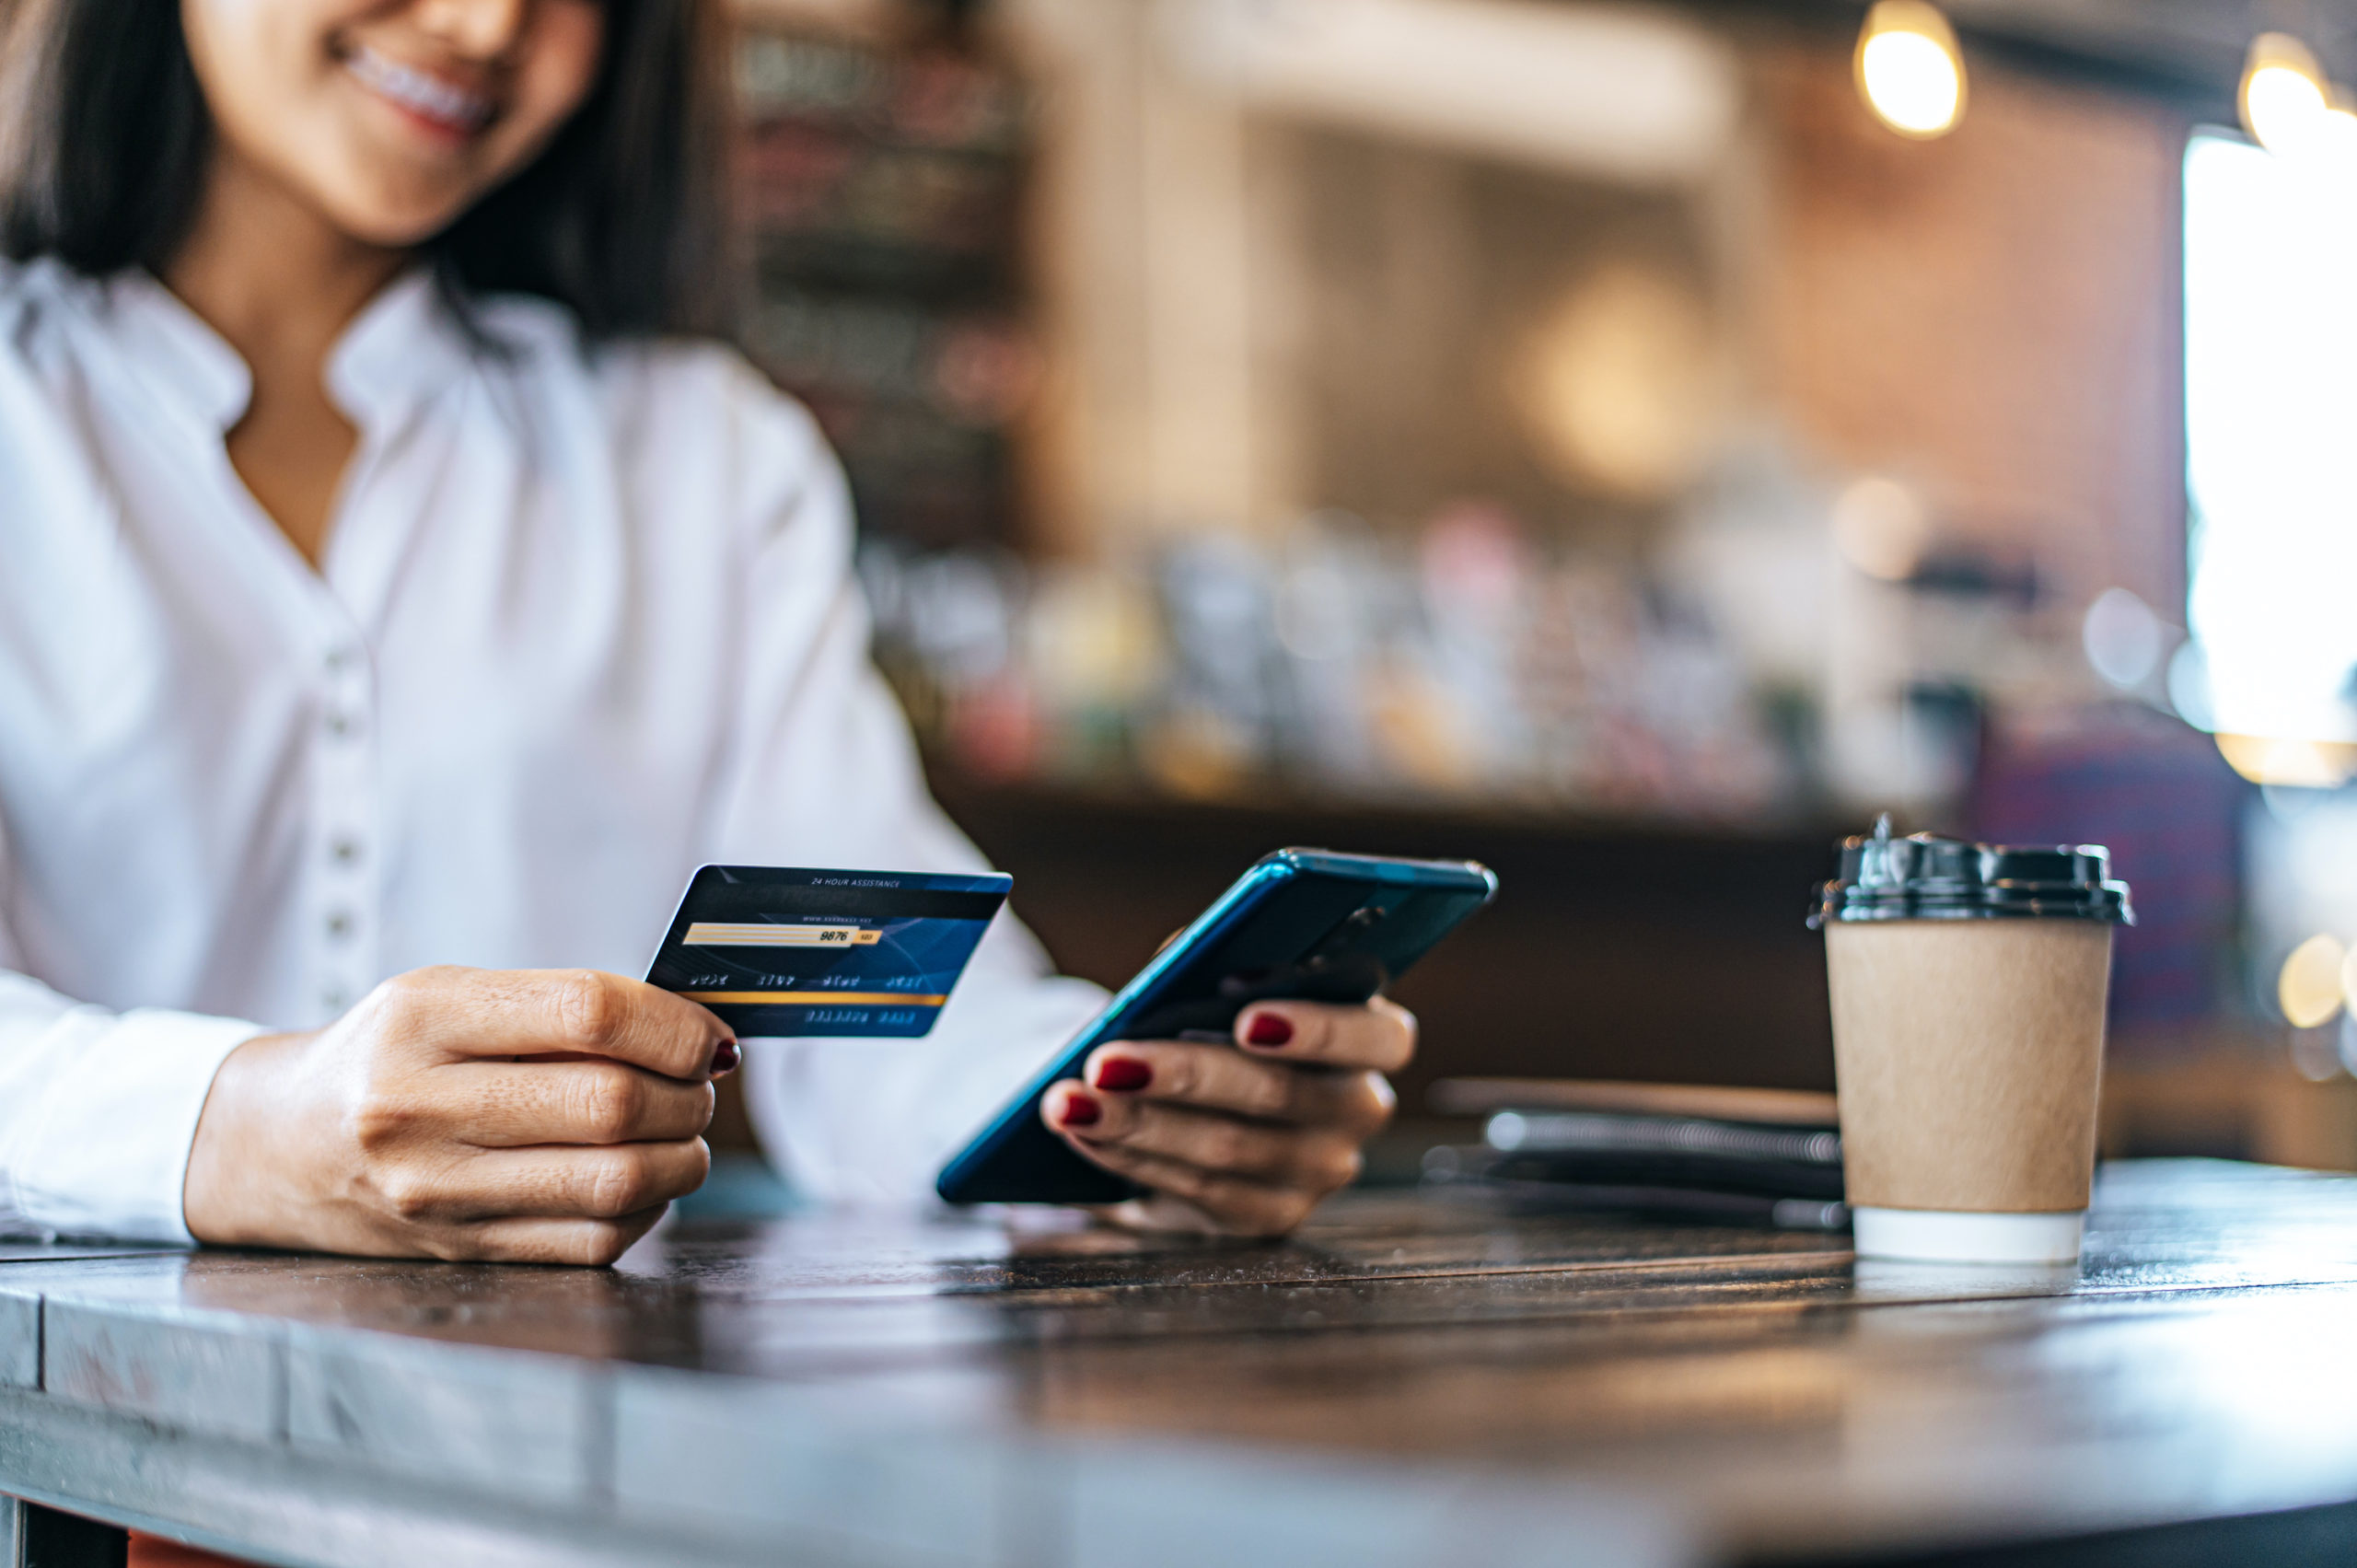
x: 98, y: 1108
x: 824, y: 773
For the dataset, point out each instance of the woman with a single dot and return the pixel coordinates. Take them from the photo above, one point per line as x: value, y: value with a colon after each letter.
x: 389, y: 580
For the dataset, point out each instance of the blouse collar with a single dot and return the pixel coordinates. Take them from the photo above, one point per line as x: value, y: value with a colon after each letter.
x: 174, y: 353
x: 402, y: 349
x: 405, y: 348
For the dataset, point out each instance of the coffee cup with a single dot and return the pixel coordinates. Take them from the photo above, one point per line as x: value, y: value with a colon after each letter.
x: 1969, y: 986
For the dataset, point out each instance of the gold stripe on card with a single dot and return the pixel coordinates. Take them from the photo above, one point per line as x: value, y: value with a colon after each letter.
x: 722, y: 934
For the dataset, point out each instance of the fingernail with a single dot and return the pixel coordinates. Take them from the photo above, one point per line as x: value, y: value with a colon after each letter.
x: 1123, y: 1073
x: 724, y: 1059
x: 1082, y: 1111
x: 1268, y: 1029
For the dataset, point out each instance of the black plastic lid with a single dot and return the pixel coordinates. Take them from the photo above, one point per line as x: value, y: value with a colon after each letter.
x: 1924, y: 876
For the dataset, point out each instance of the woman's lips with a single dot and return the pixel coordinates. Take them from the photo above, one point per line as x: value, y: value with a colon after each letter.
x: 442, y: 104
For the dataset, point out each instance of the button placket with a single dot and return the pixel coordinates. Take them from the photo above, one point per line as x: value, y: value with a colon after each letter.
x: 341, y: 911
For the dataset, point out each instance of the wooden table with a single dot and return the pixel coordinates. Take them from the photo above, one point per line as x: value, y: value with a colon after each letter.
x: 1418, y: 1377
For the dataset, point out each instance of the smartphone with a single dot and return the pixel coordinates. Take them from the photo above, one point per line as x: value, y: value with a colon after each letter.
x: 1302, y: 924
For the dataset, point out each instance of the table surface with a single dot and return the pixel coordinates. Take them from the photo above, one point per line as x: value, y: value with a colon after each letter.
x: 1417, y: 1377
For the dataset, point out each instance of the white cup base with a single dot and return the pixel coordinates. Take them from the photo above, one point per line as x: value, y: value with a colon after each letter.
x: 1940, y: 1236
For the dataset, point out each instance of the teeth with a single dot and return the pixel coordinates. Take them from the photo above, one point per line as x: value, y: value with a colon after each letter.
x: 421, y: 91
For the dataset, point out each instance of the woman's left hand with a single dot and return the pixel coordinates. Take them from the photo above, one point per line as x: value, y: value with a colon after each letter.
x: 1246, y: 1141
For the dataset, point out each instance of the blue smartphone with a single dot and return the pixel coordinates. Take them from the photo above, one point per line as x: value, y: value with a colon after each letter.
x: 1302, y: 924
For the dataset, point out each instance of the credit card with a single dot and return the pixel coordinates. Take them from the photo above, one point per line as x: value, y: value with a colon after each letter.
x: 783, y: 951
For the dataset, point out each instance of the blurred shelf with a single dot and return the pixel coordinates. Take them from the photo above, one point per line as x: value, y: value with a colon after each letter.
x: 881, y: 185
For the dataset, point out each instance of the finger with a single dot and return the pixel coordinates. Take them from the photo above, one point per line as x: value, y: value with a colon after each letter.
x: 1220, y: 1077
x: 1380, y: 1035
x: 584, y: 1101
x: 545, y: 1011
x: 594, y: 1243
x: 549, y: 1182
x: 1318, y: 1160
x: 1234, y: 1203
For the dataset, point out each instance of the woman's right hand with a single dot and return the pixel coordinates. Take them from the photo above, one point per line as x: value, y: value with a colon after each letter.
x: 540, y: 1116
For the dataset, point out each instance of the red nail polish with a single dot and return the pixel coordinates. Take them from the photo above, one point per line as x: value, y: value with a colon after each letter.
x: 1123, y: 1073
x: 724, y: 1059
x: 1082, y: 1111
x: 1268, y: 1029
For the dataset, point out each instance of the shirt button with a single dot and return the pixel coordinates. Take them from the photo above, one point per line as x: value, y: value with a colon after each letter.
x: 339, y: 924
x: 333, y: 999
x: 337, y: 721
x: 345, y: 850
x: 337, y: 659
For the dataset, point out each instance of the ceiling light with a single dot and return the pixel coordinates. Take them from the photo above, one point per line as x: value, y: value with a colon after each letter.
x: 1909, y: 70
x: 2285, y: 100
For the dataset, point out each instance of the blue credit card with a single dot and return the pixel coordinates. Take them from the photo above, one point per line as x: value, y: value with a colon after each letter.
x: 777, y: 950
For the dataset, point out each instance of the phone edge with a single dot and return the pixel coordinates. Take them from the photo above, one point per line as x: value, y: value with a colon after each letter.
x: 1269, y: 871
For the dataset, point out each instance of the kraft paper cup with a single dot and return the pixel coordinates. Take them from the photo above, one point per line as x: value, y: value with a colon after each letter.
x: 1969, y: 984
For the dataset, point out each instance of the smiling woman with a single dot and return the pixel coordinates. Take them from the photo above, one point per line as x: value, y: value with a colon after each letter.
x: 508, y: 144
x: 395, y: 579
x: 412, y: 125
x: 390, y: 123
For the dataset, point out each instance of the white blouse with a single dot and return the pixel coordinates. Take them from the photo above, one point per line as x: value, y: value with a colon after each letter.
x: 586, y: 620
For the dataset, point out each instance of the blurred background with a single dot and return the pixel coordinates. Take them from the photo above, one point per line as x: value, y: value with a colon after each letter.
x: 1631, y: 445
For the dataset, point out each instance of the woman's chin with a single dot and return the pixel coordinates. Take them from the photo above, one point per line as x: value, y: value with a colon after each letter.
x: 389, y: 197
x: 396, y: 223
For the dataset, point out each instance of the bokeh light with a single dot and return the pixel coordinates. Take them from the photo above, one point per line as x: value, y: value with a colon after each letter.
x: 1881, y: 528
x: 2123, y: 638
x: 2284, y: 98
x: 2189, y: 684
x: 2309, y: 988
x: 1909, y: 70
x: 1613, y: 383
x: 2293, y: 764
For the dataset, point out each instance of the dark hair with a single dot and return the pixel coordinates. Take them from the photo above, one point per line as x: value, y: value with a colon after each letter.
x: 104, y: 138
